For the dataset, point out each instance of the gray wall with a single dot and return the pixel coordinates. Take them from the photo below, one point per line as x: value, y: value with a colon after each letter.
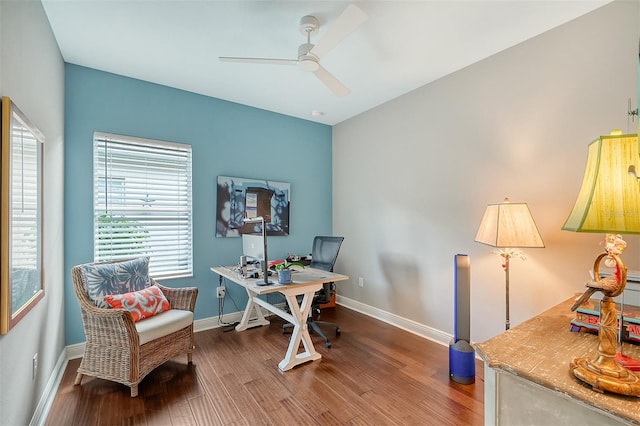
x: 514, y: 125
x: 32, y: 74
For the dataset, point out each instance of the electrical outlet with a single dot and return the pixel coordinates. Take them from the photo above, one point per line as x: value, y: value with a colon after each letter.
x: 360, y: 282
x: 35, y: 366
x: 221, y: 291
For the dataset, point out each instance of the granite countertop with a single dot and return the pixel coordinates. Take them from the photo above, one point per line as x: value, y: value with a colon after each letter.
x: 541, y: 349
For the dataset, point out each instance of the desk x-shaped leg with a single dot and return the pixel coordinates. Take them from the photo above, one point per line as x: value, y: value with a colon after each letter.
x: 253, y: 305
x: 297, y: 317
x: 299, y: 314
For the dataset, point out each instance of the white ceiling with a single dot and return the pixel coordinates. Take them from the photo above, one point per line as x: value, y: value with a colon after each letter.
x: 402, y: 46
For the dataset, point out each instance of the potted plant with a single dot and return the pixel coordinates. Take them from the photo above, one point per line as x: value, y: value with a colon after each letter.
x: 284, y: 271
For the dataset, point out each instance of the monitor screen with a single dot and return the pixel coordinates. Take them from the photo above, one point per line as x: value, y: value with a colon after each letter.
x: 253, y: 247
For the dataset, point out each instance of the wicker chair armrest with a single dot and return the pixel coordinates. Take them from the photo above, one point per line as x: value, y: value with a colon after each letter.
x: 110, y: 326
x: 180, y: 298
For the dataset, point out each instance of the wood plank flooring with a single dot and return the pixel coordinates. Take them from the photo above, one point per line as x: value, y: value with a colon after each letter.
x: 374, y: 374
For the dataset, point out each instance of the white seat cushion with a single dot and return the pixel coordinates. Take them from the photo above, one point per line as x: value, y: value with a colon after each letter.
x: 162, y: 324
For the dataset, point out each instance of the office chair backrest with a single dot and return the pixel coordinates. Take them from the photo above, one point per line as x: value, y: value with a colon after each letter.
x: 325, y: 252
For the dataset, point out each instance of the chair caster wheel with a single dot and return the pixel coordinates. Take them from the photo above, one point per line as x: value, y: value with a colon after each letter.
x: 327, y: 345
x: 338, y: 331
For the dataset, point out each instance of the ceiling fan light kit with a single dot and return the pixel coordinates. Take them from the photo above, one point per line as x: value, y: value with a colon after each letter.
x: 309, y: 55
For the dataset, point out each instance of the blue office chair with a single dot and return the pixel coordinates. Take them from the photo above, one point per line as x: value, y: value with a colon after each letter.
x: 323, y: 256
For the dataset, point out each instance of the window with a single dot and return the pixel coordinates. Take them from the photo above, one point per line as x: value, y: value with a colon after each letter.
x: 142, y: 199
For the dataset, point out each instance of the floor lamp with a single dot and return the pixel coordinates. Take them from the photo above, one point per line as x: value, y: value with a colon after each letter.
x: 508, y: 226
x: 609, y: 203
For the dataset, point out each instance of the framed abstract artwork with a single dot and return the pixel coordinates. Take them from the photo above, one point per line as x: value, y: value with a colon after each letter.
x: 21, y: 283
x: 239, y: 198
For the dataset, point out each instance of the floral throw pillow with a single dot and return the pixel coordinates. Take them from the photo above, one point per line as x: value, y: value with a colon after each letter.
x: 142, y: 304
x: 115, y: 278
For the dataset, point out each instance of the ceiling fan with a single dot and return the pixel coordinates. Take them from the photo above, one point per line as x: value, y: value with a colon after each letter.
x: 309, y: 55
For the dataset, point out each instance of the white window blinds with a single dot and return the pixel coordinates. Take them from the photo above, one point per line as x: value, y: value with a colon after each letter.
x: 142, y: 199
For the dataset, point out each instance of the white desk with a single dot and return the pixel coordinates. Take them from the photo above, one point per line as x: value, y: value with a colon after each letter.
x: 304, y: 283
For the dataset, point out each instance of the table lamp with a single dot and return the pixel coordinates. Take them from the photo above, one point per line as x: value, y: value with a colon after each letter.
x: 608, y: 202
x: 508, y: 226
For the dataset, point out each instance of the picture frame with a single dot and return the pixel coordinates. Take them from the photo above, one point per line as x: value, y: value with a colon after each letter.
x: 21, y: 171
x: 239, y: 198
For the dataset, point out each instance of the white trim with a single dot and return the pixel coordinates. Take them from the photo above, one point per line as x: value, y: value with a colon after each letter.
x: 491, y: 392
x: 411, y: 326
x: 214, y: 322
x: 49, y: 393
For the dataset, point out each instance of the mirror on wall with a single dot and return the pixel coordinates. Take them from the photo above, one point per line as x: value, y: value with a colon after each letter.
x: 21, y: 153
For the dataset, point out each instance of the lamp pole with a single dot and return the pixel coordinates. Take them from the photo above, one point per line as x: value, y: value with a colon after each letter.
x: 507, y: 255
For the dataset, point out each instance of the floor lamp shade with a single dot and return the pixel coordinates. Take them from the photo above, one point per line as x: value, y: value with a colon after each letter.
x: 508, y: 225
x: 609, y: 199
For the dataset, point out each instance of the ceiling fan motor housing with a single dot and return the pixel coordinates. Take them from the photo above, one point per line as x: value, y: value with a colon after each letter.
x: 309, y: 25
x: 307, y: 61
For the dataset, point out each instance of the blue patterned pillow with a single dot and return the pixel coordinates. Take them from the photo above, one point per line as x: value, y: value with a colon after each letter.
x: 115, y: 278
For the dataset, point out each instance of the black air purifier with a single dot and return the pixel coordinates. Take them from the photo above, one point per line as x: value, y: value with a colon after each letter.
x: 462, y: 363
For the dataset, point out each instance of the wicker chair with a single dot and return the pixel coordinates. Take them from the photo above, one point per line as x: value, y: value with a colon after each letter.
x: 113, y: 350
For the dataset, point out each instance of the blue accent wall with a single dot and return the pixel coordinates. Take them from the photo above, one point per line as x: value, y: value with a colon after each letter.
x: 227, y: 139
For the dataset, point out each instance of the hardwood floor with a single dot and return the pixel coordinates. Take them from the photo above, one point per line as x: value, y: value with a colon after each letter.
x: 374, y: 374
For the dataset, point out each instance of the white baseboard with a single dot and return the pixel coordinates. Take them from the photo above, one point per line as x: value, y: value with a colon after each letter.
x: 397, y: 321
x: 215, y: 322
x: 46, y: 400
x: 77, y: 350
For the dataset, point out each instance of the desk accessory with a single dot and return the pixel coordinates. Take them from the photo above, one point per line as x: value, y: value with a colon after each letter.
x: 284, y: 270
x: 243, y: 265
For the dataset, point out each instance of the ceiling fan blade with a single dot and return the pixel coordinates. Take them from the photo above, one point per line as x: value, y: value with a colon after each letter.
x: 258, y: 60
x: 331, y: 82
x: 347, y: 22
